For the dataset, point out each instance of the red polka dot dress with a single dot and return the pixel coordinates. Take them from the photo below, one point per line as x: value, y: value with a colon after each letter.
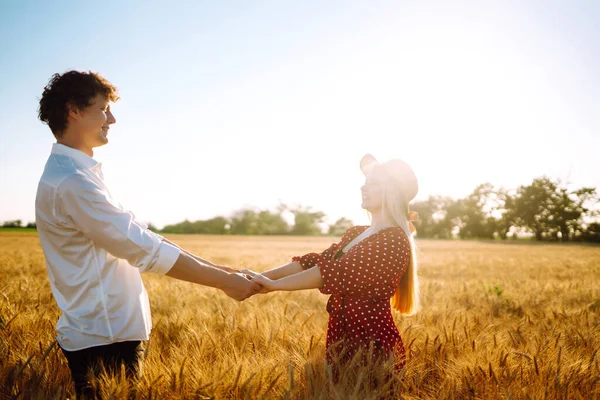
x: 361, y: 283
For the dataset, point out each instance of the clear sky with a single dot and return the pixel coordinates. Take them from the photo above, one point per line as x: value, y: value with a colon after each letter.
x: 231, y: 104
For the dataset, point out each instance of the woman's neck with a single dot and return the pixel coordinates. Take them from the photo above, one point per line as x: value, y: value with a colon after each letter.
x: 379, y: 221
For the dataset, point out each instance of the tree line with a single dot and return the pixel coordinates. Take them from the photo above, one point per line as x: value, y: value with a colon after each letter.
x: 545, y: 210
x: 17, y: 223
x: 248, y: 221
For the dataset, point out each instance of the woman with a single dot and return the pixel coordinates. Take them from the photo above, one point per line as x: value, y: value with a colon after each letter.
x: 370, y: 265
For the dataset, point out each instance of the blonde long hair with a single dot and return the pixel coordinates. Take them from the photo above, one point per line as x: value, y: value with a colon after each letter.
x: 395, y: 208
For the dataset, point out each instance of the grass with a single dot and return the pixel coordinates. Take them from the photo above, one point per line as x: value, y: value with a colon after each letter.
x: 497, y: 321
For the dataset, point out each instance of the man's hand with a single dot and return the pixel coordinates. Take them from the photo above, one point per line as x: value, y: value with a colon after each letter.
x: 239, y: 288
x: 227, y: 269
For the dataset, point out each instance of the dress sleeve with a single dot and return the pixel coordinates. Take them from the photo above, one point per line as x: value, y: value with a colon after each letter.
x: 309, y: 260
x: 373, y: 269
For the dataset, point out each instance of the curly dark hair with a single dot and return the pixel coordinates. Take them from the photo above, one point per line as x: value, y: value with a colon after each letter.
x: 75, y: 88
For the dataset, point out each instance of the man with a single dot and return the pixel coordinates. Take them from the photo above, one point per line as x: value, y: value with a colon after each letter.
x: 94, y: 249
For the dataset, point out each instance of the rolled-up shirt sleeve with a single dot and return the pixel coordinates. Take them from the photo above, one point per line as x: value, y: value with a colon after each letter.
x: 91, y: 210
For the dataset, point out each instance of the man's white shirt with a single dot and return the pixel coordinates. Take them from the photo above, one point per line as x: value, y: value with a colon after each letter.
x: 95, y: 251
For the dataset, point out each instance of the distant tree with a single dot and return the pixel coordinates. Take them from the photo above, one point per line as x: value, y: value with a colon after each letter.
x: 340, y: 227
x: 306, y: 222
x: 567, y: 209
x: 425, y: 223
x: 17, y: 223
x: 432, y: 221
x: 271, y: 223
x: 213, y: 226
x: 244, y: 222
x: 506, y: 222
x: 31, y: 225
x: 591, y: 233
x: 475, y: 213
x: 532, y: 206
x: 456, y: 217
x: 550, y: 210
x: 182, y: 227
x: 216, y: 226
x: 152, y: 227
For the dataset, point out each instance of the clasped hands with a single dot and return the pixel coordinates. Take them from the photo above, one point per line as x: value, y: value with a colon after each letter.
x: 245, y: 283
x: 267, y: 285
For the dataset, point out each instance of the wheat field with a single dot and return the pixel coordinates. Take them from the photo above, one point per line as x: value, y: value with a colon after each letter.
x: 498, y: 320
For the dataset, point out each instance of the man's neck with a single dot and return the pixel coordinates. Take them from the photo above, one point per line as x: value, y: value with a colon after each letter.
x: 76, y: 145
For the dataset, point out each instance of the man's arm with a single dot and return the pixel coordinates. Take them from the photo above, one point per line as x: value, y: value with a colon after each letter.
x: 201, y: 260
x: 89, y: 209
x: 189, y: 269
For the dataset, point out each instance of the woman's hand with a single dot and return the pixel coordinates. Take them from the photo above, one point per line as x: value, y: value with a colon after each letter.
x: 267, y: 284
x: 248, y: 272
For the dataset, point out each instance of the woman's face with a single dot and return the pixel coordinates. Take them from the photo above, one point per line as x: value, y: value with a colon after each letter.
x: 372, y: 191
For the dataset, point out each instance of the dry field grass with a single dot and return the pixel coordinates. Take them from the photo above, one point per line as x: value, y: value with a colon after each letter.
x: 497, y: 321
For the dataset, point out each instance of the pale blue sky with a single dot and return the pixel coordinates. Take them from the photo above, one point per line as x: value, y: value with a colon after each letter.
x: 248, y: 103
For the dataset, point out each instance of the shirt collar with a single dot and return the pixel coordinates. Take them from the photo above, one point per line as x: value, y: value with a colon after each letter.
x: 80, y: 158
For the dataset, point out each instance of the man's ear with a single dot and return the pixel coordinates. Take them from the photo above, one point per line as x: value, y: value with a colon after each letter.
x: 73, y: 111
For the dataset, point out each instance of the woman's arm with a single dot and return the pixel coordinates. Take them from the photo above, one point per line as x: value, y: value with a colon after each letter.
x: 300, y: 263
x: 307, y: 279
x: 278, y: 272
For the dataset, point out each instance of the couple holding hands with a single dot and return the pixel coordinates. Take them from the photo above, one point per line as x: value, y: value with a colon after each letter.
x: 95, y: 251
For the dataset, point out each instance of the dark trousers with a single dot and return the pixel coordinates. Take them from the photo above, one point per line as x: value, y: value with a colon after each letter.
x: 109, y: 358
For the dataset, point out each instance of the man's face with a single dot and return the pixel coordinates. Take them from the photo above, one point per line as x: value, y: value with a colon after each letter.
x: 94, y: 121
